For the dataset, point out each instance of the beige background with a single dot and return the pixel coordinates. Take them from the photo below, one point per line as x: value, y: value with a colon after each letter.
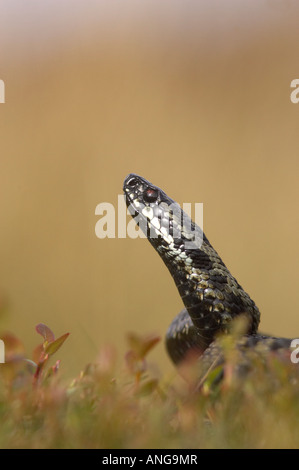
x: 195, y: 97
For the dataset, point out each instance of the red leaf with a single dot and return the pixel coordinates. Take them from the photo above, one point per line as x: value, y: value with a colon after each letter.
x: 141, y: 345
x: 46, y: 332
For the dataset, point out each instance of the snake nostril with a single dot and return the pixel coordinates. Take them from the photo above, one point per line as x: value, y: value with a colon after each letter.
x: 132, y: 182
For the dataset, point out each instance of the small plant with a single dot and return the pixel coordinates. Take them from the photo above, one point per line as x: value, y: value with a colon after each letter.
x: 17, y: 365
x: 127, y: 407
x: 140, y: 346
x: 44, y: 351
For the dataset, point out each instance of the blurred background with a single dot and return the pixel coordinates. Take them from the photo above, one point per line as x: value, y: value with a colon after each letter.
x: 192, y: 95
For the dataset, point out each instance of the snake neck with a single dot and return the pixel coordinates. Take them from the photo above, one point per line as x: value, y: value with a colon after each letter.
x: 211, y: 295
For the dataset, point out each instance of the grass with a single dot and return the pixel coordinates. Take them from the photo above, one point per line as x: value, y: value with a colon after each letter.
x: 110, y: 406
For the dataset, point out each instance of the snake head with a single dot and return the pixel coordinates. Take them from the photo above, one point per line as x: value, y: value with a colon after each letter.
x: 161, y: 219
x: 140, y: 192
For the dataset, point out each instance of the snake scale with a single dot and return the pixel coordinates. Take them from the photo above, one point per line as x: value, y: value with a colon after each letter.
x: 211, y: 295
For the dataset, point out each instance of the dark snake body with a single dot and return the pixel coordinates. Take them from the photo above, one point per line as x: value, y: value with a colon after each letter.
x: 211, y: 295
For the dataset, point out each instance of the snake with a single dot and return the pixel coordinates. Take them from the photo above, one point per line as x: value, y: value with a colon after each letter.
x: 212, y: 297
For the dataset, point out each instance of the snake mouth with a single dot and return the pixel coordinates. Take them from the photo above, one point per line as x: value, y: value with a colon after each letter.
x: 143, y: 200
x: 144, y: 204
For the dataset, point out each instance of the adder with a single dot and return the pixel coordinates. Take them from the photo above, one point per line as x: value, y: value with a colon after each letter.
x: 212, y: 297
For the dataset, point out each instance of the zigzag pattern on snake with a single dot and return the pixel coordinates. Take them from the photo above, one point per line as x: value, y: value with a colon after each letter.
x: 211, y: 295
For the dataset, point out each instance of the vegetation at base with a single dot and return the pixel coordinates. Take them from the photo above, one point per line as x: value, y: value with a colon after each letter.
x: 130, y: 406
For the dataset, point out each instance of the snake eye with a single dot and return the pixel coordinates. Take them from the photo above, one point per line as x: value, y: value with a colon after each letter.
x: 150, y: 195
x: 132, y: 182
